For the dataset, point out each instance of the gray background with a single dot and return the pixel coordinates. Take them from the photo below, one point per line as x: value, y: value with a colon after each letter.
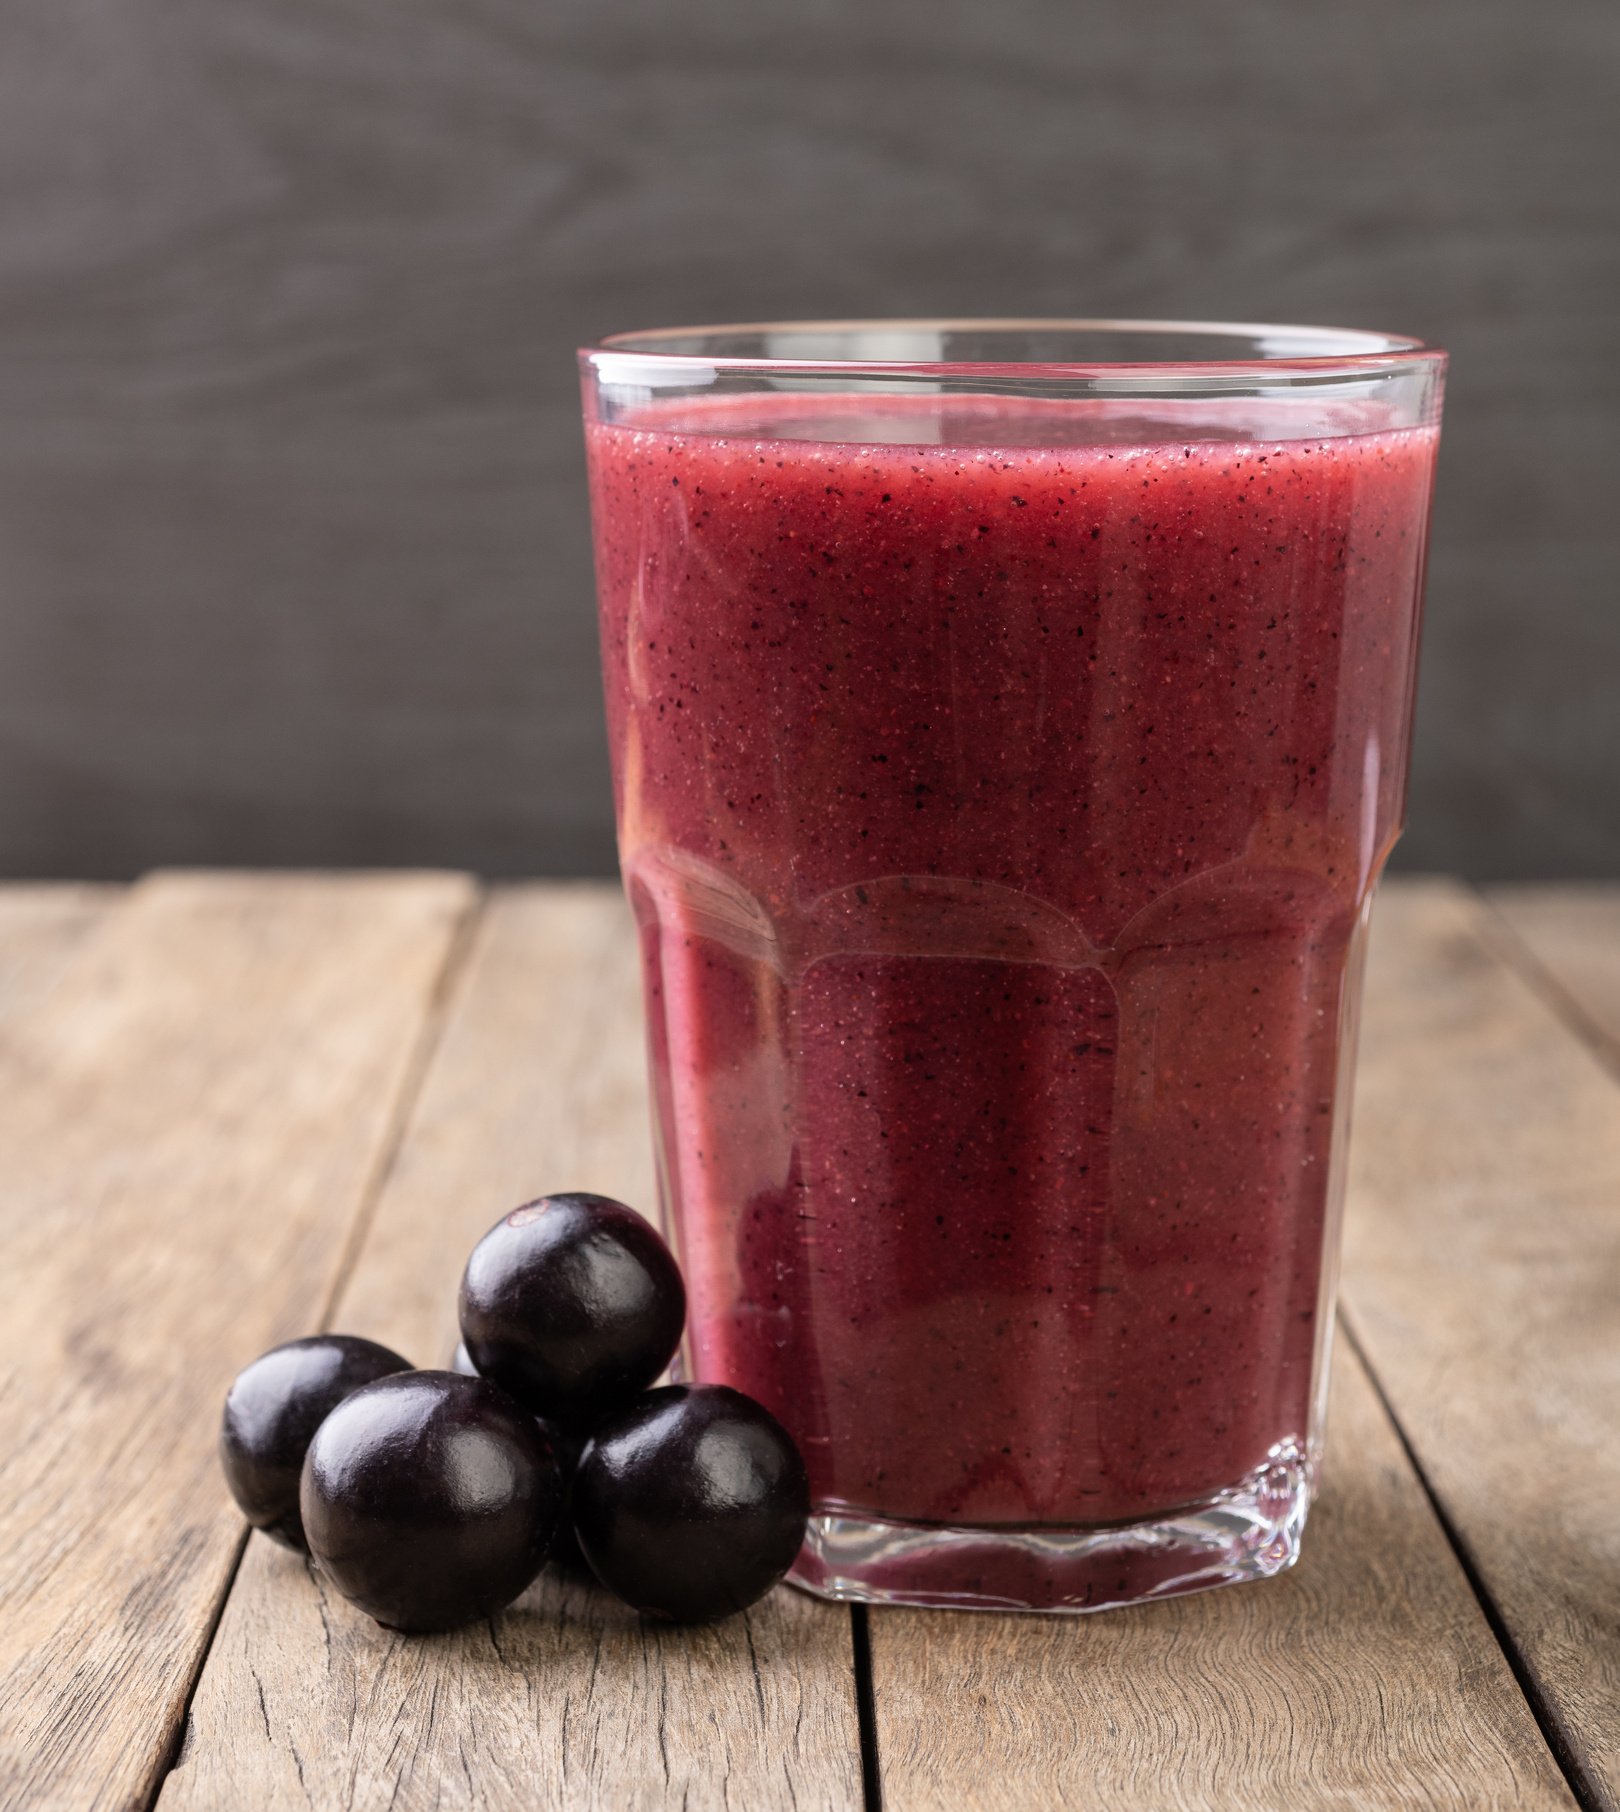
x: 293, y: 563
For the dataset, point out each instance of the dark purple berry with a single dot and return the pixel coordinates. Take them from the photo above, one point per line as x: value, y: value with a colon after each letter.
x: 574, y: 1304
x: 565, y: 1553
x: 692, y: 1503
x: 272, y: 1412
x: 430, y: 1499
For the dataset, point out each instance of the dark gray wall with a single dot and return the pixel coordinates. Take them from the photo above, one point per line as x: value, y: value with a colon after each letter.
x: 293, y: 563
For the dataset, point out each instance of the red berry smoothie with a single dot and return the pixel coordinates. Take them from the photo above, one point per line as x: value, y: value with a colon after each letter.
x: 999, y: 815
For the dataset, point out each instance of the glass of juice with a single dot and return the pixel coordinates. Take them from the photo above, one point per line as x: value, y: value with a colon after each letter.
x: 1009, y: 726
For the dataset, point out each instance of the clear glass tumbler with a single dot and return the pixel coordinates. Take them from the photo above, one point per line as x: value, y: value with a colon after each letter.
x: 1009, y: 725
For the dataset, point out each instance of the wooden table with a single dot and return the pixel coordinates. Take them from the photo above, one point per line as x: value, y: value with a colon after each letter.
x: 236, y: 1108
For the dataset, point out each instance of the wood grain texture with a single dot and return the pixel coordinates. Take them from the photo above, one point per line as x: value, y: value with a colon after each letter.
x: 1366, y: 1677
x: 191, y: 1120
x: 1571, y: 936
x: 1482, y: 1271
x: 41, y: 928
x: 293, y: 539
x: 566, y: 1700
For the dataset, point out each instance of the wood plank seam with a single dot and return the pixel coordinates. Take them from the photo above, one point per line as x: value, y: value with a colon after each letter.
x: 1370, y: 1675
x: 1483, y: 1218
x: 567, y: 1700
x: 1506, y: 941
x: 1365, y: 1677
x: 866, y: 1708
x: 1555, y: 1732
x: 193, y: 1107
x: 458, y: 953
x: 428, y: 1034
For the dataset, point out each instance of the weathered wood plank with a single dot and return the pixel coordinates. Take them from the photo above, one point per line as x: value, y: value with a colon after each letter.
x: 190, y: 1121
x: 567, y: 1699
x: 1572, y: 933
x: 1482, y: 1270
x: 42, y: 925
x: 1366, y: 1677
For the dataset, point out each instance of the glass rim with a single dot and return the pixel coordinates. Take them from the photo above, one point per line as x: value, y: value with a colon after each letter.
x: 1339, y: 351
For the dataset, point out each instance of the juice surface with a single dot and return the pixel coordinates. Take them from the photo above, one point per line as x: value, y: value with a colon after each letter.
x: 999, y: 818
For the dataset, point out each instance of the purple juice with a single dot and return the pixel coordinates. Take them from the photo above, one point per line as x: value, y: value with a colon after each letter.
x: 1000, y: 820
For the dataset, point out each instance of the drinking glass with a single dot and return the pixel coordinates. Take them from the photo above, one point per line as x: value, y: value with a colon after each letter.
x: 1009, y: 725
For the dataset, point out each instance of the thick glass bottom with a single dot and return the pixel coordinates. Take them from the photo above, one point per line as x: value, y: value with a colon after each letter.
x: 1252, y: 1530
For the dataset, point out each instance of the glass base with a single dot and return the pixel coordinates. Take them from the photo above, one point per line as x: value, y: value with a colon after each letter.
x: 1250, y: 1531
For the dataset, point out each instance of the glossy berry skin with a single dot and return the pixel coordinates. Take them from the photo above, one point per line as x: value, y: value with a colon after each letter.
x: 574, y: 1304
x: 565, y: 1552
x: 272, y: 1412
x: 692, y: 1503
x: 430, y: 1499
